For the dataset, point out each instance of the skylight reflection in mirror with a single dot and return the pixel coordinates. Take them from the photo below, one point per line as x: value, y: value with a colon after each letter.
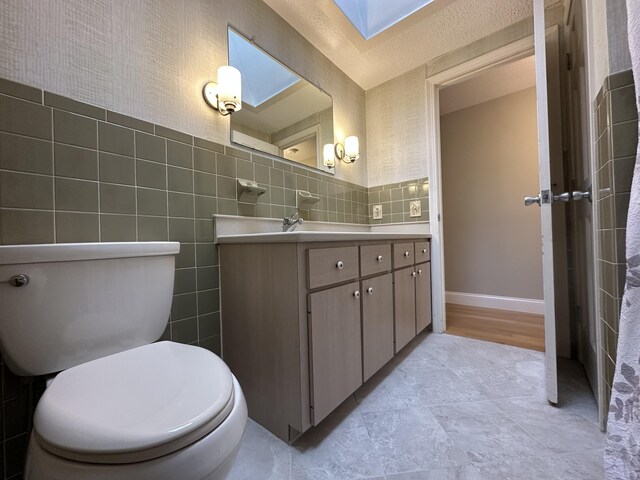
x: 371, y: 17
x: 262, y: 77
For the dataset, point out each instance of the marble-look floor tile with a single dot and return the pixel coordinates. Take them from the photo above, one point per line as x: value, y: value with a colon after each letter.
x: 463, y: 472
x: 585, y: 465
x: 540, y: 468
x: 508, y: 354
x: 386, y: 390
x: 486, y: 435
x: 558, y: 429
x: 338, y: 449
x: 436, y: 386
x: 457, y: 352
x: 445, y: 414
x: 411, y: 439
x: 261, y: 455
x: 497, y: 381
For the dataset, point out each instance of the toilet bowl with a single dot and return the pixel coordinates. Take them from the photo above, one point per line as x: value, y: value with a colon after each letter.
x: 121, y: 406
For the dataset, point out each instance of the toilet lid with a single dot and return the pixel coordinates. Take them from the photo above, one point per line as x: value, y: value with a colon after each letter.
x: 134, y: 405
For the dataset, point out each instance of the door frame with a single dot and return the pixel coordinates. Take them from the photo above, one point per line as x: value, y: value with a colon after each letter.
x: 508, y: 53
x: 589, y: 49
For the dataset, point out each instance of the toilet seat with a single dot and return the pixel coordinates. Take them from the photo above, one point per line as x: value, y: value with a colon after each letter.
x: 135, y: 405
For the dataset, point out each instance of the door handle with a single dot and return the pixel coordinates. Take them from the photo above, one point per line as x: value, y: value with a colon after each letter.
x: 563, y: 197
x: 531, y: 200
x: 578, y: 195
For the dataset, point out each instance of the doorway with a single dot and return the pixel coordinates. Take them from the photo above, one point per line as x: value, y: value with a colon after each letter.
x: 555, y: 265
x: 493, y: 252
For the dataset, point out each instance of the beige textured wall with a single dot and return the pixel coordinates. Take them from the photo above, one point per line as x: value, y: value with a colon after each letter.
x: 489, y: 163
x: 150, y: 58
x: 396, y: 129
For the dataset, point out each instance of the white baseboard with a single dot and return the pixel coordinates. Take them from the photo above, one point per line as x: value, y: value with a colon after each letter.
x: 524, y: 305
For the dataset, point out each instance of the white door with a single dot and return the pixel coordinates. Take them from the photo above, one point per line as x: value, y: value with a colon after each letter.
x: 554, y: 272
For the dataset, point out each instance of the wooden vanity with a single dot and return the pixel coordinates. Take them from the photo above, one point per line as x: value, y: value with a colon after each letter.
x: 306, y: 322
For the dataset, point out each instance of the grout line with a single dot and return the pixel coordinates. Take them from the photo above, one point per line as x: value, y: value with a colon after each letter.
x: 53, y: 173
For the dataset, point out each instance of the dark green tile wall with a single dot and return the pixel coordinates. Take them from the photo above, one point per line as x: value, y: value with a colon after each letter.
x: 617, y: 138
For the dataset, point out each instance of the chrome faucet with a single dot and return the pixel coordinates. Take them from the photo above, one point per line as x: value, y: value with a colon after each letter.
x: 290, y: 222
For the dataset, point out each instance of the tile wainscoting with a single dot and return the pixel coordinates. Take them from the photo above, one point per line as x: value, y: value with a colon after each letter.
x: 616, y: 120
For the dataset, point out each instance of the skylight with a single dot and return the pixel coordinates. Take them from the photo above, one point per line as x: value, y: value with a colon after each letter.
x: 371, y: 17
x: 262, y: 77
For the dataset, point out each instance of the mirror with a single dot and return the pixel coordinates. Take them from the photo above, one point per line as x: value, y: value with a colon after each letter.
x: 282, y: 113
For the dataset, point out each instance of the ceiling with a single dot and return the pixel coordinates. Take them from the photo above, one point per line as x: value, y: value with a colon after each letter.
x: 442, y: 26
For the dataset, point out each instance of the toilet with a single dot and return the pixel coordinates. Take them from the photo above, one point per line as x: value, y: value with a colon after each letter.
x: 117, y: 405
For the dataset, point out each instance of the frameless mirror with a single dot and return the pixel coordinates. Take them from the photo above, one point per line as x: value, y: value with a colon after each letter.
x: 282, y: 113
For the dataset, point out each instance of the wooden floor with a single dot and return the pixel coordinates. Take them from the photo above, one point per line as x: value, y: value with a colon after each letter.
x: 524, y: 330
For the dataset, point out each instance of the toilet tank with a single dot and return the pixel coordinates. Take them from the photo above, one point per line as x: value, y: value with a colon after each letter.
x: 83, y: 301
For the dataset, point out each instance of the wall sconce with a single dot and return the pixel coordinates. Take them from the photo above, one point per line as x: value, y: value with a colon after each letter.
x: 351, y: 149
x: 226, y: 95
x: 348, y: 153
x: 328, y: 154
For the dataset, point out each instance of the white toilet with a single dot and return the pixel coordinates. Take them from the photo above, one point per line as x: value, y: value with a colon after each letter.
x: 121, y: 407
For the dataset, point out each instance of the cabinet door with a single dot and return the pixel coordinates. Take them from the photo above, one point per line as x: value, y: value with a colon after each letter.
x: 405, y: 306
x: 336, y: 347
x: 423, y: 296
x: 377, y: 323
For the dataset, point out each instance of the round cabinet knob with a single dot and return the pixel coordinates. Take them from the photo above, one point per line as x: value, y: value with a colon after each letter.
x: 420, y: 272
x: 379, y: 258
x: 424, y: 250
x: 356, y: 294
x: 406, y: 254
x: 370, y: 290
x: 19, y: 280
x: 340, y: 265
x: 413, y: 274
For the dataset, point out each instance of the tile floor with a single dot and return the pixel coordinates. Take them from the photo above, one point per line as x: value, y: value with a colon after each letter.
x: 446, y: 408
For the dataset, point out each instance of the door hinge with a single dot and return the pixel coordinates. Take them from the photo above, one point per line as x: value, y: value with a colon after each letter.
x: 569, y: 61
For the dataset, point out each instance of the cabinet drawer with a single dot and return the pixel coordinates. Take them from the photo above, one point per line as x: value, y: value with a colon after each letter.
x: 375, y: 259
x: 332, y: 265
x: 402, y: 255
x: 423, y: 252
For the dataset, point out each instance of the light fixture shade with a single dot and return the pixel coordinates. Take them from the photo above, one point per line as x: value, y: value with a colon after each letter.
x: 229, y: 88
x: 352, y: 148
x: 328, y: 155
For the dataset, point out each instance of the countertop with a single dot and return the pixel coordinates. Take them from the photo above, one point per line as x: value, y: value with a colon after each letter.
x: 316, y: 236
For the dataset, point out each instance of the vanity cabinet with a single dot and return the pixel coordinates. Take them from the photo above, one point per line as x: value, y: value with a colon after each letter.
x: 304, y: 324
x: 335, y: 347
x: 377, y: 323
x: 412, y: 291
x: 405, y: 306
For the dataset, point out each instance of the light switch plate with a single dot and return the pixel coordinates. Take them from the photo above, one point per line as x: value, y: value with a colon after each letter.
x: 415, y: 209
x: 377, y: 212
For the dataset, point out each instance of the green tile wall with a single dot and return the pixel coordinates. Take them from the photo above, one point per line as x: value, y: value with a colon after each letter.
x: 617, y: 127
x: 395, y: 199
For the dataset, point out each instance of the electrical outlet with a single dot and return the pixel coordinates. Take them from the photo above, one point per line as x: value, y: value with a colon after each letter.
x: 415, y: 209
x: 377, y: 212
